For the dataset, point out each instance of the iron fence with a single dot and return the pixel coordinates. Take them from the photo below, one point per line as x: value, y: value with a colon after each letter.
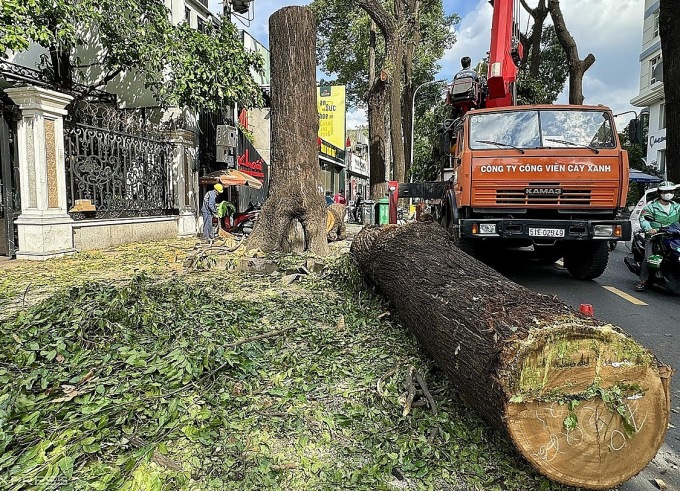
x: 119, y: 161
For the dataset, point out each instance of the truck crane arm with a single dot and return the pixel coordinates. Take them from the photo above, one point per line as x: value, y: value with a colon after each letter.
x: 505, y: 54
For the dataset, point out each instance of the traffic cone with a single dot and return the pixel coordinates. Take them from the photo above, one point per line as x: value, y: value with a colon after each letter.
x: 586, y: 309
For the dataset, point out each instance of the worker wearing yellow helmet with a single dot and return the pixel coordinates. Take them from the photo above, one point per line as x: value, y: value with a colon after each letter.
x: 209, y: 210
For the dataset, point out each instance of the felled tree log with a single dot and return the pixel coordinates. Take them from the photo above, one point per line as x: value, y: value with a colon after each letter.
x: 582, y: 401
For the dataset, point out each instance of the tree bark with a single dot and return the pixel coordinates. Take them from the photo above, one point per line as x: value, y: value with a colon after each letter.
x: 669, y: 29
x: 376, y: 102
x: 577, y: 67
x: 394, y: 48
x: 412, y: 21
x: 294, y: 198
x: 532, y: 48
x: 525, y: 362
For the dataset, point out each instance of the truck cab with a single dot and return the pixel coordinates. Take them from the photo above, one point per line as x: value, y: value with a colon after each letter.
x: 551, y: 176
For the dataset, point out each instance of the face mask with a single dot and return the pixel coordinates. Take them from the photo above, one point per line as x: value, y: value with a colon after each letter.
x: 667, y: 196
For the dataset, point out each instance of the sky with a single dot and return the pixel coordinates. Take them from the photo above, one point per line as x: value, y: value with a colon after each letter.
x: 609, y: 29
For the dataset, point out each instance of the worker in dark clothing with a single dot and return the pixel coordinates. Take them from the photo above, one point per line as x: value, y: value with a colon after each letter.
x: 466, y: 71
x: 209, y: 209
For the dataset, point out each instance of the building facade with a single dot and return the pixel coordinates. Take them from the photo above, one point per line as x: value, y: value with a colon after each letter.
x: 651, y: 97
x: 358, y: 168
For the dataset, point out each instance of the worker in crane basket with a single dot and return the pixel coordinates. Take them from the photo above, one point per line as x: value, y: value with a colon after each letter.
x: 464, y: 92
x: 466, y: 71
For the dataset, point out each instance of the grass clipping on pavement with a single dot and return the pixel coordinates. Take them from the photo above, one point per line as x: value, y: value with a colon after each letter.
x: 223, y: 380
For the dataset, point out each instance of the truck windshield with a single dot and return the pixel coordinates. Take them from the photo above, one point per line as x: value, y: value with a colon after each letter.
x: 542, y: 129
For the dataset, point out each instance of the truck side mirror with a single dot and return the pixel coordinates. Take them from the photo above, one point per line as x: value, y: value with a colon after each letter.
x: 634, y: 131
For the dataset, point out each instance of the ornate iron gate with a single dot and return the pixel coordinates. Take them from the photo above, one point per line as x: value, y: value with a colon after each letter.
x: 118, y: 161
x: 10, y: 194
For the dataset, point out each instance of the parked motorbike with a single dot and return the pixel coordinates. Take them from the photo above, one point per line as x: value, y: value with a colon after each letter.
x: 238, y: 223
x: 664, y: 263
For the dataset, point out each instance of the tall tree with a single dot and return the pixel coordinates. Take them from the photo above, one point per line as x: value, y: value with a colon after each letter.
x: 346, y: 49
x: 669, y: 29
x: 577, y: 66
x: 545, y: 86
x: 390, y: 28
x: 532, y: 43
x: 429, y: 31
x: 294, y: 202
x: 95, y: 41
x: 377, y: 102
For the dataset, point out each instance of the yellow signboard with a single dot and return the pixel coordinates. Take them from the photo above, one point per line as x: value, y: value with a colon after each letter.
x: 331, y: 101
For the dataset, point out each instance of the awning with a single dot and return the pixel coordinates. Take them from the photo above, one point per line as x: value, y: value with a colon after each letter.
x: 639, y: 176
x: 231, y: 177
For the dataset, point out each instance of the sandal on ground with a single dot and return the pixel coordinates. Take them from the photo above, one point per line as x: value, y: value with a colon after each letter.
x: 640, y: 287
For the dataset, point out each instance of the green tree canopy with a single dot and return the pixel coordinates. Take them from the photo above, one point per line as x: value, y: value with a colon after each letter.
x: 94, y: 41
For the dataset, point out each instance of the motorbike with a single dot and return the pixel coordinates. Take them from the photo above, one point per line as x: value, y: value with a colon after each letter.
x: 238, y: 223
x: 664, y: 263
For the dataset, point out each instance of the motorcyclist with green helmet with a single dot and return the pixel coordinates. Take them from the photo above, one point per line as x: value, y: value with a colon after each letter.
x: 661, y: 212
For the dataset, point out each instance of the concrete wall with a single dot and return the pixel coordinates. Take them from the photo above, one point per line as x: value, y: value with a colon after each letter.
x: 100, y: 234
x: 259, y: 122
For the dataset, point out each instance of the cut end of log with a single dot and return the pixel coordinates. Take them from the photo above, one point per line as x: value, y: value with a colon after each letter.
x: 590, y: 407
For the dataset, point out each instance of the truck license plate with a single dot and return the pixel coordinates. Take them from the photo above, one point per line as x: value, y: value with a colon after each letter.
x: 546, y: 232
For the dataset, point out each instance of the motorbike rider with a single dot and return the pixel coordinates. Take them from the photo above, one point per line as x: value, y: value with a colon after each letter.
x: 661, y: 212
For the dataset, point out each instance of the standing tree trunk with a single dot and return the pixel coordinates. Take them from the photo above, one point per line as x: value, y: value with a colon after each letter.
x: 583, y: 402
x: 577, y: 67
x: 294, y: 201
x: 412, y: 20
x: 391, y: 72
x: 533, y: 44
x: 376, y: 102
x: 669, y: 29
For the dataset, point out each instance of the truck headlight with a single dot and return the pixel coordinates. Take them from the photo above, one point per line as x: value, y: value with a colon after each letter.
x: 604, y: 230
x: 487, y: 228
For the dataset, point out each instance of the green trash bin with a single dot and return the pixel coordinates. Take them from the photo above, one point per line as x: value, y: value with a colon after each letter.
x: 383, y: 214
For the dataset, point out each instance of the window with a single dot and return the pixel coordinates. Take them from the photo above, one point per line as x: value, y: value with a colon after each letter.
x: 187, y: 15
x: 201, y: 25
x: 536, y: 129
x: 661, y: 160
x: 662, y: 116
x: 655, y: 20
x: 656, y: 70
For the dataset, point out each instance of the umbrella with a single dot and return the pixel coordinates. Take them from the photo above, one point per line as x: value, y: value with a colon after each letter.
x: 231, y: 177
x: 638, y: 176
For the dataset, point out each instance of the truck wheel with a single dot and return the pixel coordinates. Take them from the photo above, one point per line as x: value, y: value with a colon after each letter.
x: 587, y: 261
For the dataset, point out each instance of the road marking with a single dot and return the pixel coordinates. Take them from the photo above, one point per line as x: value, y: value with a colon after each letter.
x: 624, y: 295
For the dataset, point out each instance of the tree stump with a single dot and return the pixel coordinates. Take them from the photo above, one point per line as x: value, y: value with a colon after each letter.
x: 294, y: 199
x: 581, y: 400
x: 335, y: 223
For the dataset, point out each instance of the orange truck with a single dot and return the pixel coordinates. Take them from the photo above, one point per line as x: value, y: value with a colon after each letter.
x: 549, y: 176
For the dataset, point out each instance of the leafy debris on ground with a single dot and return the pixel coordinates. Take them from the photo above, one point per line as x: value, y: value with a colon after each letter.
x: 224, y: 380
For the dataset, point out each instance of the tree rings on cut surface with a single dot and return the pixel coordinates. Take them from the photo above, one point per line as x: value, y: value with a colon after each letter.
x: 595, y: 409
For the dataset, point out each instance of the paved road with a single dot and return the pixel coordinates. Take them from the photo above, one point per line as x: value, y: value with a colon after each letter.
x: 652, y: 318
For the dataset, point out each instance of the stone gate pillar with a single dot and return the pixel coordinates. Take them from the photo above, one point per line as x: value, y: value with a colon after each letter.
x: 186, y: 189
x: 44, y: 226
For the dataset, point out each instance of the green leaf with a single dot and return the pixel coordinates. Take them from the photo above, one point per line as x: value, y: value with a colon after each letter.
x: 66, y: 466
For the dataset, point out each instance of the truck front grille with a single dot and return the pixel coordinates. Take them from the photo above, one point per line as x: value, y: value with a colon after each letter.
x: 517, y: 197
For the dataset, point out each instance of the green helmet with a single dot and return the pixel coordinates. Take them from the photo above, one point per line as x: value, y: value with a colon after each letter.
x: 666, y: 186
